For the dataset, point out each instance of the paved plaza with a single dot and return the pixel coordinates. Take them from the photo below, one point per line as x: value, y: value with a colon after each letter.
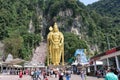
x: 26, y: 77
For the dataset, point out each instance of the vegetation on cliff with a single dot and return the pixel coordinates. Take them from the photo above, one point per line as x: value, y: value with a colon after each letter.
x: 109, y: 22
x: 23, y: 23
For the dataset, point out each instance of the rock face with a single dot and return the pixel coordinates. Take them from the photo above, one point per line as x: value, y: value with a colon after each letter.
x: 67, y: 12
x: 39, y: 54
x: 31, y: 27
x: 1, y: 47
x: 1, y: 50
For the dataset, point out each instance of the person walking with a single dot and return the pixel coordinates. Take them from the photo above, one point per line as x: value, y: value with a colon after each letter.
x: 110, y: 75
x: 38, y: 72
x: 45, y: 78
x: 61, y: 76
x: 82, y: 74
x: 20, y: 74
x: 34, y: 75
x: 67, y: 76
x: 26, y: 71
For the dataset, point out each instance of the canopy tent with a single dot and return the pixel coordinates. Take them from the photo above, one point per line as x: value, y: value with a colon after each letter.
x: 14, y: 66
x: 33, y: 64
x: 13, y: 61
x: 18, y: 66
x: 10, y: 61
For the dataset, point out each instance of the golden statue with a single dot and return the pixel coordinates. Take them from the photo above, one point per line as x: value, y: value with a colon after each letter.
x: 55, y: 42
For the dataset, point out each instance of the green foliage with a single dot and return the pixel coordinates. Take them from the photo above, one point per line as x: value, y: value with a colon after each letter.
x: 54, y: 6
x: 72, y: 42
x: 109, y: 22
x: 99, y: 24
x: 30, y: 42
x: 13, y: 44
x: 25, y: 53
x: 106, y: 7
x: 15, y: 17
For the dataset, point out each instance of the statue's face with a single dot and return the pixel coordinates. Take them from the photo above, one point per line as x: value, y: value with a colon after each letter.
x: 56, y: 29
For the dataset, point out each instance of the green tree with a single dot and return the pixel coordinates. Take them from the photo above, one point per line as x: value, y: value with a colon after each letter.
x: 13, y: 44
x: 72, y: 42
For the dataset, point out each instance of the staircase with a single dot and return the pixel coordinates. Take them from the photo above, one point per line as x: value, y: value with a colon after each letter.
x: 39, y: 54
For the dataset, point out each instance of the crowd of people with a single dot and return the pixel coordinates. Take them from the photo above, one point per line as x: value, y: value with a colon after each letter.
x: 109, y: 74
x: 42, y: 74
x: 64, y: 73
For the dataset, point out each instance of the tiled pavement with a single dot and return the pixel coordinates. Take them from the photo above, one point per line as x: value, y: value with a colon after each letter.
x: 25, y: 77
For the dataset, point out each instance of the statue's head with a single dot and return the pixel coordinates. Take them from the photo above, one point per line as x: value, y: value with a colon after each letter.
x: 50, y: 28
x: 56, y: 27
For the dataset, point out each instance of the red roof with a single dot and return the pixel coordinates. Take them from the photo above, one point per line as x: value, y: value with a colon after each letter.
x: 110, y: 51
x: 105, y: 53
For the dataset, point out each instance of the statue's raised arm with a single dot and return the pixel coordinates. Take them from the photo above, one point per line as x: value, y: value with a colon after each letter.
x: 49, y: 45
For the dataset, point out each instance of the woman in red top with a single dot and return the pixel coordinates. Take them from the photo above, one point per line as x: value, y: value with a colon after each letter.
x: 46, y: 78
x: 20, y: 74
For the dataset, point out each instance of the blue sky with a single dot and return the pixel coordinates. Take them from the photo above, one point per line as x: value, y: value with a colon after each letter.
x: 88, y: 1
